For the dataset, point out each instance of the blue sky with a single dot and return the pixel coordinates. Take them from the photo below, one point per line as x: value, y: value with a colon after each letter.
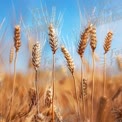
x: 12, y: 9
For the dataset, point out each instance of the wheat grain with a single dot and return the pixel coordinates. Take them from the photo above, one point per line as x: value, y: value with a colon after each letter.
x: 117, y: 112
x: 48, y: 98
x: 101, y: 109
x: 36, y: 57
x: 58, y: 116
x: 11, y: 56
x: 84, y: 88
x: 17, y: 42
x: 83, y: 41
x: 69, y: 59
x: 93, y: 42
x: 108, y: 40
x: 53, y: 38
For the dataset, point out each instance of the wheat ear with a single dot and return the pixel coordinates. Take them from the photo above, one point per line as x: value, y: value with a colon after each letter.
x: 53, y: 38
x: 107, y: 45
x: 83, y: 41
x: 81, y: 48
x: 53, y: 41
x: 101, y: 109
x: 71, y: 67
x: 36, y: 58
x: 48, y: 97
x: 117, y: 112
x: 17, y: 44
x: 11, y: 55
x: 93, y: 43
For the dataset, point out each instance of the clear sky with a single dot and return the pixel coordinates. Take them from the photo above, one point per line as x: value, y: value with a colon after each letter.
x: 11, y: 10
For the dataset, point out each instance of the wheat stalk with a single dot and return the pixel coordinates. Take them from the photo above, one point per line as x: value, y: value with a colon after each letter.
x: 81, y: 48
x: 53, y: 41
x: 93, y: 44
x: 36, y: 58
x: 107, y: 45
x: 17, y: 44
x: 71, y: 67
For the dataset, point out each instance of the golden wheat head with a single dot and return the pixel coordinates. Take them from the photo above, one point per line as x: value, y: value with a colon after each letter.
x: 83, y: 41
x: 58, y: 116
x: 53, y: 38
x: 108, y: 41
x: 117, y: 112
x: 48, y: 97
x: 68, y: 58
x: 93, y: 42
x: 17, y: 41
x: 11, y: 56
x: 36, y: 55
x: 84, y: 87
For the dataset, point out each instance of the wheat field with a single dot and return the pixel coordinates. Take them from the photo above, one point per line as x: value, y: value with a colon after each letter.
x: 59, y: 93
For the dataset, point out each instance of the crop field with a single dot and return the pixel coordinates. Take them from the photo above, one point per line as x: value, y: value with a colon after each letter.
x: 50, y: 75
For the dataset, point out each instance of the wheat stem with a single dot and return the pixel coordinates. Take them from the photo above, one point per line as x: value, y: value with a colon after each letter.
x: 53, y: 84
x: 104, y: 83
x: 92, y: 92
x: 82, y: 76
x: 78, y: 105
x: 13, y: 87
x: 37, y: 94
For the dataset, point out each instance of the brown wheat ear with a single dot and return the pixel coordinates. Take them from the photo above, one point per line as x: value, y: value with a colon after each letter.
x: 69, y: 59
x: 11, y: 56
x: 117, y: 112
x: 48, y: 97
x: 108, y: 41
x: 36, y: 57
x: 58, y: 116
x: 93, y: 42
x: 53, y: 38
x: 83, y: 41
x: 17, y: 42
x: 101, y: 109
